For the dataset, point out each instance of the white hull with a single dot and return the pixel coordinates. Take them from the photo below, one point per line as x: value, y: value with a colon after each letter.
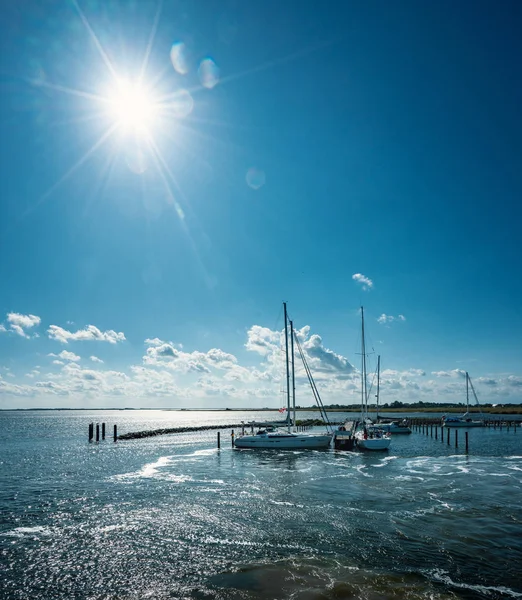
x: 393, y: 428
x: 371, y: 443
x: 284, y: 441
x: 463, y: 424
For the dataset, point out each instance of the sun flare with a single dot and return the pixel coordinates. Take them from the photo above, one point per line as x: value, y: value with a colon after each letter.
x: 132, y: 107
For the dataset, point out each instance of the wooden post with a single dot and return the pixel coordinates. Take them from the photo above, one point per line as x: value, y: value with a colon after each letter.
x: 456, y: 438
x: 431, y: 430
x: 103, y: 431
x: 97, y: 432
x: 436, y: 434
x: 232, y: 436
x: 466, y: 442
x: 219, y: 439
x: 115, y: 433
x: 91, y: 431
x: 448, y: 436
x: 442, y: 434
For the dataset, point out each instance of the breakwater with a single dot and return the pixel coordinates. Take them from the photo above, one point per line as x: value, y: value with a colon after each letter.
x: 302, y: 426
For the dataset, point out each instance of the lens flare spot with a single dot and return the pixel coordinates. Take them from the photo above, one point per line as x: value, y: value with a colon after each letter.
x: 208, y: 73
x: 136, y: 160
x: 178, y: 58
x: 255, y: 178
x: 182, y: 104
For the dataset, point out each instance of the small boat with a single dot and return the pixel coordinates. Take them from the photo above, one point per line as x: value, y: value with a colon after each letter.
x: 392, y: 427
x: 466, y: 420
x: 367, y: 435
x: 343, y: 437
x: 271, y: 437
x: 388, y: 426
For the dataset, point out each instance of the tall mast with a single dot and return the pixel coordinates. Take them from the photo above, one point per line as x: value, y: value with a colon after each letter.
x: 364, y: 396
x: 287, y: 370
x: 467, y: 392
x: 293, y: 369
x: 378, y: 385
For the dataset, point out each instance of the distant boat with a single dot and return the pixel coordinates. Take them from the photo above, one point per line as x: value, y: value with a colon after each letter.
x: 367, y: 435
x: 396, y: 426
x: 466, y: 420
x: 402, y: 426
x: 270, y: 437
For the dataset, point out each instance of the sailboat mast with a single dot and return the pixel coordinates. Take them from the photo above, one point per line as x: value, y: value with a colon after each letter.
x: 467, y: 392
x: 378, y: 385
x: 293, y: 368
x: 364, y: 395
x: 287, y: 370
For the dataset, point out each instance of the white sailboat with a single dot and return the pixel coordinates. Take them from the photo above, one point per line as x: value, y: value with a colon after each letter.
x: 388, y: 426
x: 270, y: 437
x: 367, y: 436
x: 466, y: 420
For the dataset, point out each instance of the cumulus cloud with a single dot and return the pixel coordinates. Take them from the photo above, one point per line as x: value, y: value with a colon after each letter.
x: 384, y: 319
x: 95, y: 359
x: 452, y: 373
x: 263, y: 340
x: 323, y: 359
x: 366, y: 282
x: 20, y: 323
x: 167, y: 355
x: 71, y: 356
x: 89, y: 333
x: 487, y: 381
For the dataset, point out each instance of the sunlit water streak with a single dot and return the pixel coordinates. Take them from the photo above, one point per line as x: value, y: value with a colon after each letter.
x: 173, y: 517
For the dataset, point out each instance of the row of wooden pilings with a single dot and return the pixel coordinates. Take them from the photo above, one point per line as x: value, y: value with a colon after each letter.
x: 92, y: 429
x: 431, y: 429
x: 489, y: 423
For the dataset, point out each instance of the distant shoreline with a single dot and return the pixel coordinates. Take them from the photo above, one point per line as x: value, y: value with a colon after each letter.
x: 515, y: 409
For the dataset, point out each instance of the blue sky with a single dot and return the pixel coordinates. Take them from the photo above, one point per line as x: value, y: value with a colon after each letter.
x: 272, y: 155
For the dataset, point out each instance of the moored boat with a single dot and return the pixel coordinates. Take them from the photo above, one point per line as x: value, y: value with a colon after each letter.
x: 271, y: 437
x: 465, y: 420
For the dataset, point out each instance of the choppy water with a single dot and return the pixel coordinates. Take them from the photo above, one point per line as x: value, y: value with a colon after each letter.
x: 173, y: 517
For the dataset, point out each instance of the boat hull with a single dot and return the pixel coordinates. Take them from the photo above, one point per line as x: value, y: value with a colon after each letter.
x: 284, y: 442
x: 463, y: 424
x: 372, y: 443
x: 394, y: 429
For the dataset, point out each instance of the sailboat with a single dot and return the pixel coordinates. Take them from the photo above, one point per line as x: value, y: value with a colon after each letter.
x: 269, y: 436
x: 466, y: 419
x: 367, y: 436
x: 390, y: 426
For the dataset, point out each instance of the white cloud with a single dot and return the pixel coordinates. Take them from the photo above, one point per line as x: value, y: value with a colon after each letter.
x: 383, y: 319
x: 71, y: 356
x: 89, y: 333
x: 19, y: 323
x: 58, y: 362
x: 514, y: 381
x: 366, y: 282
x: 167, y: 355
x: 96, y: 359
x: 262, y: 340
x: 452, y: 373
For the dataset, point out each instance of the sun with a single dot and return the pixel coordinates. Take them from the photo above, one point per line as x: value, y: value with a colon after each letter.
x: 132, y: 107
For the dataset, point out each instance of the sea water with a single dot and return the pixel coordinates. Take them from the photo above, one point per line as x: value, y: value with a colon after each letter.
x: 174, y: 517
